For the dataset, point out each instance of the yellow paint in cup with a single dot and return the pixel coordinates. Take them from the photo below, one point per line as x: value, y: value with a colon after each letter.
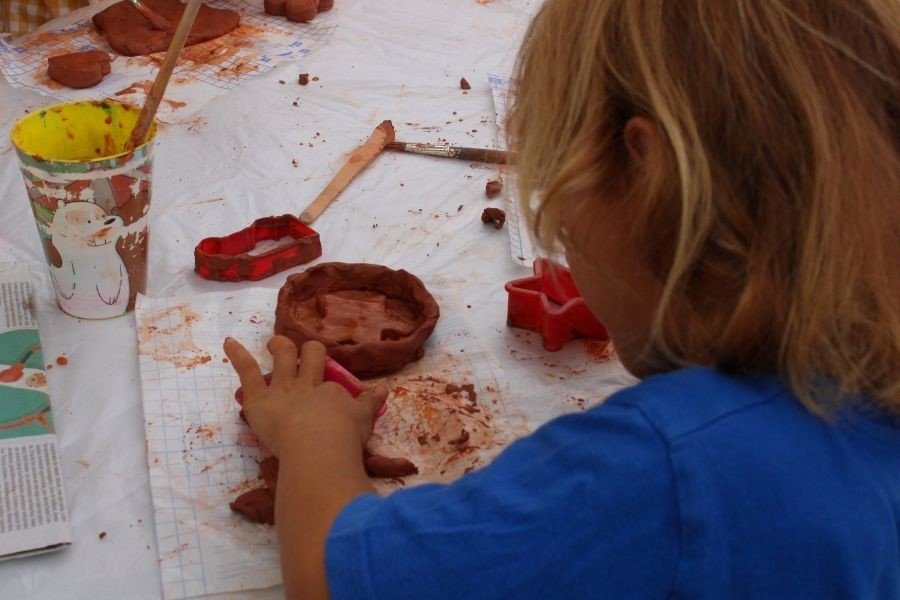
x: 90, y: 199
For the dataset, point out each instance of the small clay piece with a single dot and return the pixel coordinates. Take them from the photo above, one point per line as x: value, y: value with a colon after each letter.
x: 325, y: 5
x: 387, y: 468
x: 494, y: 214
x: 373, y: 320
x: 130, y: 33
x: 303, y: 11
x: 79, y: 69
x: 257, y: 505
x: 464, y: 84
x: 493, y: 188
x: 303, y: 79
x: 275, y: 7
x: 268, y: 470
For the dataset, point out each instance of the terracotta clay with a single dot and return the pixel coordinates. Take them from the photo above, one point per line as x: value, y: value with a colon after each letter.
x: 372, y: 320
x: 303, y: 79
x: 464, y: 84
x: 131, y: 34
x: 325, y: 5
x: 268, y: 470
x: 79, y: 69
x: 302, y: 11
x: 275, y: 7
x: 388, y: 468
x: 257, y: 505
x: 494, y: 214
x: 493, y: 188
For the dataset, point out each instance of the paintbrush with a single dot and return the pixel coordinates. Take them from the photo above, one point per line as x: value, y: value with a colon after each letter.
x: 459, y: 152
x: 358, y: 160
x: 158, y: 21
x: 139, y: 133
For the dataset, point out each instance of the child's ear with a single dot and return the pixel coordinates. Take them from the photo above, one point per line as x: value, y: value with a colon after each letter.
x: 642, y: 139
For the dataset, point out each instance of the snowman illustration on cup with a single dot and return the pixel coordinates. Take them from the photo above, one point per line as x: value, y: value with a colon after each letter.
x: 90, y: 277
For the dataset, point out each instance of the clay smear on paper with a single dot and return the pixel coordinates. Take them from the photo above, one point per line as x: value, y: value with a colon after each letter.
x: 166, y: 336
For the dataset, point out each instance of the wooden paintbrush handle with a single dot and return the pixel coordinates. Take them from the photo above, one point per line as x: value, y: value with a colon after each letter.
x: 151, y: 105
x: 358, y: 161
x: 483, y: 155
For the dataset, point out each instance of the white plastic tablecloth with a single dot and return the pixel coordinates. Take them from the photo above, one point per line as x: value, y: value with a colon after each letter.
x: 253, y: 153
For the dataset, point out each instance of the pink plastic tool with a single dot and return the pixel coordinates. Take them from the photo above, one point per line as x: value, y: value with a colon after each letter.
x: 549, y: 303
x: 333, y: 372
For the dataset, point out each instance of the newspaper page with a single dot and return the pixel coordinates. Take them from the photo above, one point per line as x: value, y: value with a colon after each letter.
x: 33, y: 517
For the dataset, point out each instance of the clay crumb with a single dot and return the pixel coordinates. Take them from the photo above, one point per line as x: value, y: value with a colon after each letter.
x: 463, y: 84
x: 61, y: 360
x: 315, y: 78
x: 495, y: 215
x: 459, y: 208
x: 101, y: 535
x: 281, y: 81
x: 303, y: 79
x: 493, y: 188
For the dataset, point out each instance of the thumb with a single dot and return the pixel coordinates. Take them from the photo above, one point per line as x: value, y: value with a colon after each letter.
x: 373, y: 399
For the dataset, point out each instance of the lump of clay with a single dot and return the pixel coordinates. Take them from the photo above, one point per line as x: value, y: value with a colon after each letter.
x: 372, y: 320
x: 257, y: 505
x: 131, y: 34
x: 297, y: 10
x: 274, y: 7
x: 493, y: 188
x: 386, y: 467
x: 79, y: 69
x: 495, y: 215
x: 301, y: 10
x: 463, y: 84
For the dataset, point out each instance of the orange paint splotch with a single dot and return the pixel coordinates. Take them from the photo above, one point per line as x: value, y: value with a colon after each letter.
x: 62, y: 360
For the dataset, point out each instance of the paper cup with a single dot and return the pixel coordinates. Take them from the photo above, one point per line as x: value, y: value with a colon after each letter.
x: 90, y: 201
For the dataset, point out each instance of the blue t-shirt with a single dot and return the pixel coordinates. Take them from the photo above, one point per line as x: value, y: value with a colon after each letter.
x: 691, y: 484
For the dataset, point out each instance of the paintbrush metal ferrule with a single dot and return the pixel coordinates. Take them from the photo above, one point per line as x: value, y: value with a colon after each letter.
x: 458, y: 152
x: 440, y: 150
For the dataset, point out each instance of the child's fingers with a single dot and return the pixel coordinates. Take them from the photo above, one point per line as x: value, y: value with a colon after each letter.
x: 373, y: 399
x: 246, y: 367
x: 312, y: 363
x: 284, y: 359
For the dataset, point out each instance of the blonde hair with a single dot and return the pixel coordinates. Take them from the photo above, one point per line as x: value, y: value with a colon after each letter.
x: 773, y: 224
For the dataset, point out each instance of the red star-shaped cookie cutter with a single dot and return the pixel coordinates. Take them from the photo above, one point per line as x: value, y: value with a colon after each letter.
x: 549, y: 303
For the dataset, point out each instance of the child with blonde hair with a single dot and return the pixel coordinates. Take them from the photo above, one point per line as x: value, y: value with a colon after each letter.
x: 724, y: 180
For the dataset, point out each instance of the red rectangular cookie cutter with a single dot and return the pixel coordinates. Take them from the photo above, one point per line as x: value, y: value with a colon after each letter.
x: 228, y: 259
x: 549, y: 303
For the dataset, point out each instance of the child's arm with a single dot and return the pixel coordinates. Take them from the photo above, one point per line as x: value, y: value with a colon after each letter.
x: 317, y: 431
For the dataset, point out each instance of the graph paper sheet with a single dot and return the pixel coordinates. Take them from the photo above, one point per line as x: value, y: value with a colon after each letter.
x: 521, y: 245
x: 204, y: 72
x: 201, y: 456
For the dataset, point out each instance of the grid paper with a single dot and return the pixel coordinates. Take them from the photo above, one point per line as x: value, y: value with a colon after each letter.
x: 205, y: 71
x: 521, y: 244
x: 201, y: 456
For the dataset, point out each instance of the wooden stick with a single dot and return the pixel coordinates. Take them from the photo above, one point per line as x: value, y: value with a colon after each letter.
x: 485, y: 155
x: 358, y: 161
x: 151, y: 104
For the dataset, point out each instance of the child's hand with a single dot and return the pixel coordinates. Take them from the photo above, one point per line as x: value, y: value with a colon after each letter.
x: 297, y: 405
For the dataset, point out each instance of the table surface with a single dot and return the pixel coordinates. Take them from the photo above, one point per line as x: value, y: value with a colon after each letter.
x: 253, y: 153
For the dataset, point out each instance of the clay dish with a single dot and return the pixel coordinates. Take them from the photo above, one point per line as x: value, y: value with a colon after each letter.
x: 373, y: 320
